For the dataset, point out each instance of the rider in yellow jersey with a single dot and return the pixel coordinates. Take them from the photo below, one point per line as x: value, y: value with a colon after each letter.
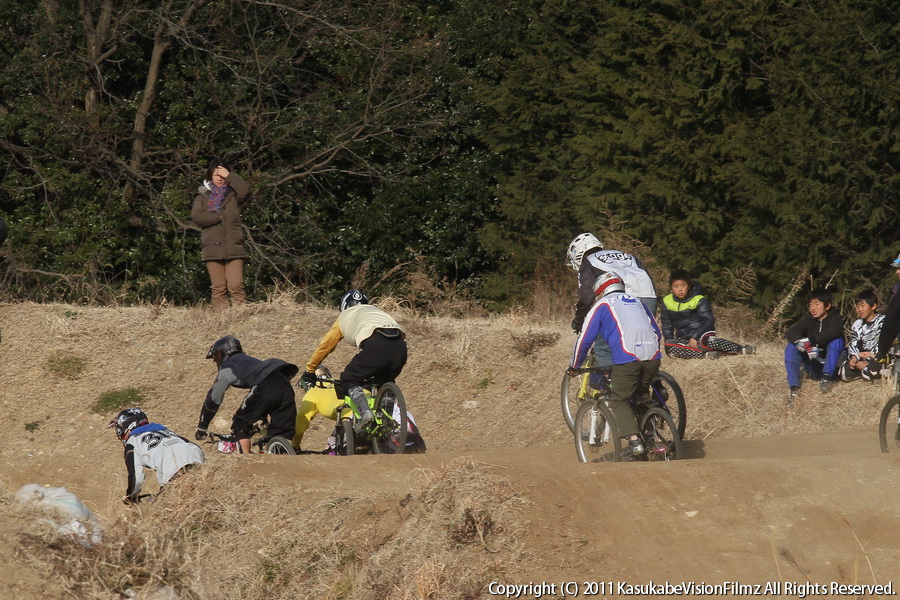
x: 382, y: 351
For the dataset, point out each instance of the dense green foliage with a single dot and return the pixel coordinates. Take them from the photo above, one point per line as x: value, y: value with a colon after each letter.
x: 725, y: 135
x: 460, y: 141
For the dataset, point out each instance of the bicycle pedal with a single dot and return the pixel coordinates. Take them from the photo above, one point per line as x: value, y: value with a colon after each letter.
x: 659, y: 449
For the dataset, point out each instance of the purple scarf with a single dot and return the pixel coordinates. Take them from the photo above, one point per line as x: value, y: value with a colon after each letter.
x: 217, y: 197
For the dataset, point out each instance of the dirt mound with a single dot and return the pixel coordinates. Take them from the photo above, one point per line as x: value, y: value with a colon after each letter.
x: 768, y: 495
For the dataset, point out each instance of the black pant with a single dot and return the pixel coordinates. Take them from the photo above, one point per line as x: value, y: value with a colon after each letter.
x: 380, y: 359
x: 273, y: 396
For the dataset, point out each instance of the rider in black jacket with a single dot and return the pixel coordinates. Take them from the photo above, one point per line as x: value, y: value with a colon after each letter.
x: 270, y: 394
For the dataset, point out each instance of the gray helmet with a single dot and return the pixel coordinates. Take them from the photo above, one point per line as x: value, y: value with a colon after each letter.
x: 126, y: 421
x: 224, y: 347
x: 352, y: 298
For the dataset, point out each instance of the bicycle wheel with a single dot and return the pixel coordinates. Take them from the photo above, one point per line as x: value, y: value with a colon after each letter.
x: 573, y: 393
x: 661, y: 439
x: 596, y: 434
x: 279, y: 445
x: 389, y: 437
x: 889, y: 426
x: 345, y: 443
x: 666, y: 391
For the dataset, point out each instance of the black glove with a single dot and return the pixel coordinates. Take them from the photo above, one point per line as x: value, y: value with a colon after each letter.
x: 200, y: 434
x: 576, y: 325
x: 308, y: 378
x: 572, y: 372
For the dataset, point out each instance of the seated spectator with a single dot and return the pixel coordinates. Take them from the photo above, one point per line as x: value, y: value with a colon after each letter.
x: 815, y: 344
x: 863, y: 339
x: 688, y: 325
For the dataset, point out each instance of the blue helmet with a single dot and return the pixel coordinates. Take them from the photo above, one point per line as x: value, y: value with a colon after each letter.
x: 352, y: 298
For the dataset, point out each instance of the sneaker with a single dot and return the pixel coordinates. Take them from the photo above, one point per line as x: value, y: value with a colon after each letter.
x: 634, y: 449
x: 364, y: 421
x: 825, y: 385
x: 792, y: 395
x: 749, y: 350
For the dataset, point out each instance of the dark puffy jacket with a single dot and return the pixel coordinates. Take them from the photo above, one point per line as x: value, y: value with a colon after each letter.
x: 688, y: 318
x: 819, y: 332
x: 221, y: 236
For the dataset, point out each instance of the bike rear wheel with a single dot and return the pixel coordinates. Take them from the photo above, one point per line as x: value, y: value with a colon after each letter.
x: 390, y: 406
x: 661, y: 439
x: 889, y: 426
x: 596, y: 434
x: 279, y: 445
x: 666, y: 391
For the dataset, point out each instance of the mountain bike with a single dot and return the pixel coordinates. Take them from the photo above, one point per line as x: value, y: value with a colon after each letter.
x: 597, y: 436
x: 275, y: 444
x: 577, y: 390
x: 387, y: 432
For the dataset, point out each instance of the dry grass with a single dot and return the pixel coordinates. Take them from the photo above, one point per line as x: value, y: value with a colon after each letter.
x: 206, y: 538
x: 209, y: 536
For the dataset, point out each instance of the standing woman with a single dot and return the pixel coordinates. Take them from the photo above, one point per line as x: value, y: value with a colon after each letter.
x: 217, y: 211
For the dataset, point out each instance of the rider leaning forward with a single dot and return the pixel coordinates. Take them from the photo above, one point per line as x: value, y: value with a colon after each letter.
x: 382, y: 351
x: 271, y: 394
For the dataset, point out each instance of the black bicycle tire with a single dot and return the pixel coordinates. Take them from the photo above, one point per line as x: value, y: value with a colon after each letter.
x: 886, y: 412
x: 612, y: 453
x: 279, y: 445
x: 382, y: 446
x: 654, y: 413
x: 681, y: 417
x: 346, y: 445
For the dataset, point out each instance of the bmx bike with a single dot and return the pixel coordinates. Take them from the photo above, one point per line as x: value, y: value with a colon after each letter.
x: 387, y: 432
x: 575, y: 391
x: 597, y: 437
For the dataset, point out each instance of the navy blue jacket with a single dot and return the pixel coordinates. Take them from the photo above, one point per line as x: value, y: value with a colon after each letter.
x: 688, y: 318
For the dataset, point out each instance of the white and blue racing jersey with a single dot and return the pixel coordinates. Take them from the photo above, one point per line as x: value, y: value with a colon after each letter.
x: 626, y: 324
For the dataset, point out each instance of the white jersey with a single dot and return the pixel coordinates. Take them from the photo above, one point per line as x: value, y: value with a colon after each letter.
x: 160, y: 450
x: 628, y: 267
x: 864, y: 335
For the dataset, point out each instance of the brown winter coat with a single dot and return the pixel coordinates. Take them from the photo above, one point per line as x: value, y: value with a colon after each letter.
x: 221, y: 236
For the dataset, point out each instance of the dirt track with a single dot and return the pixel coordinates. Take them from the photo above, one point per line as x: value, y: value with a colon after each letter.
x: 811, y: 507
x: 814, y: 508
